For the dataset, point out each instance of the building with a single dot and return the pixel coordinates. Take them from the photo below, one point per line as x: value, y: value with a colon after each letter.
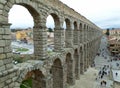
x: 25, y: 34
x: 114, y: 41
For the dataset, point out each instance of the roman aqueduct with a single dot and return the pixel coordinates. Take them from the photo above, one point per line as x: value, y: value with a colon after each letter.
x: 70, y: 58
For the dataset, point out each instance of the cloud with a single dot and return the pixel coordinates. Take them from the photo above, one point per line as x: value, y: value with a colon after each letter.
x: 20, y: 17
x: 104, y: 13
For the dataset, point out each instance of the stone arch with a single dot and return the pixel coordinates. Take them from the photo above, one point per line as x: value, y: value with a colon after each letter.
x: 80, y: 26
x: 81, y: 33
x: 75, y: 25
x: 32, y: 8
x: 56, y: 18
x: 75, y: 34
x: 58, y: 31
x: 68, y: 24
x: 87, y: 26
x: 68, y: 33
x: 84, y: 26
x: 36, y: 79
x: 77, y: 66
x: 57, y: 73
x: 34, y: 13
x: 69, y: 70
x: 81, y: 60
x: 85, y: 57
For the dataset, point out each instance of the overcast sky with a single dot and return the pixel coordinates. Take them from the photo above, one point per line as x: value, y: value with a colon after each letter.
x: 104, y: 13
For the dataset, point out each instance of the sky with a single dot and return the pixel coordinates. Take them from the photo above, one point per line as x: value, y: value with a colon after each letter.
x: 104, y: 13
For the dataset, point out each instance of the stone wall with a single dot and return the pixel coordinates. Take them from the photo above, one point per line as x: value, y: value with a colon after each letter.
x: 68, y: 60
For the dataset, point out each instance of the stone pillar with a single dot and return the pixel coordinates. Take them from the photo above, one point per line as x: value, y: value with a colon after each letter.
x: 70, y: 70
x: 86, y: 34
x: 89, y: 31
x: 5, y: 47
x: 76, y: 37
x: 89, y: 55
x: 81, y: 61
x: 77, y: 65
x: 72, y: 75
x: 57, y: 75
x: 49, y: 81
x: 80, y: 36
x: 85, y: 58
x: 84, y: 37
x: 58, y: 39
x: 69, y: 38
x: 7, y: 72
x: 88, y: 37
x: 91, y: 34
x: 40, y: 42
x: 64, y: 76
x: 38, y: 83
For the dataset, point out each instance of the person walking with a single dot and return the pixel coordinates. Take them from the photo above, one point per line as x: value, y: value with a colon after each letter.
x: 116, y: 74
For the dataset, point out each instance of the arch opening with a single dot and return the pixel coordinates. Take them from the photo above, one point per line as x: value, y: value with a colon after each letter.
x: 52, y: 24
x: 81, y: 61
x: 75, y: 25
x: 68, y: 25
x: 57, y: 72
x: 76, y: 58
x: 80, y: 26
x: 33, y: 79
x: 24, y: 20
x: 69, y: 68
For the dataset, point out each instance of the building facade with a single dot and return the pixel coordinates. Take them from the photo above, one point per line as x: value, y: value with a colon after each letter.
x: 114, y: 41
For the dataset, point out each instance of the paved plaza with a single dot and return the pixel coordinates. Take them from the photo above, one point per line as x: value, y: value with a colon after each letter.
x: 91, y: 79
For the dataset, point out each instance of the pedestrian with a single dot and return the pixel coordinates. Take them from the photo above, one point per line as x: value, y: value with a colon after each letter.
x: 101, y: 76
x: 101, y: 83
x: 116, y: 74
x: 117, y: 64
x: 99, y: 73
x: 105, y: 83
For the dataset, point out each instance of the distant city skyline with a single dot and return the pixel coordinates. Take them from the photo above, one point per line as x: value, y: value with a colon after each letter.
x: 103, y: 13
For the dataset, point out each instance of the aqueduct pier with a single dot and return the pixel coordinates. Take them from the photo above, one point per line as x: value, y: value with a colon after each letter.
x: 72, y: 55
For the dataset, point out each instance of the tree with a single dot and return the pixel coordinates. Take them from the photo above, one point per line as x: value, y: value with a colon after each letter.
x: 50, y: 30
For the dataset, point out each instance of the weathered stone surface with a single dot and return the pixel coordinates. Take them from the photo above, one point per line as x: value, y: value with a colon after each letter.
x: 6, y: 36
x: 2, y: 56
x: 2, y: 43
x: 2, y: 68
x: 3, y: 1
x: 7, y: 50
x: 73, y: 50
x: 1, y: 62
x: 8, y: 66
x: 2, y: 31
x: 7, y: 60
x: 1, y: 50
x: 2, y: 84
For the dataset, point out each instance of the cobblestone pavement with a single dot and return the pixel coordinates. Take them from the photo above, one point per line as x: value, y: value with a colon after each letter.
x: 87, y: 80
